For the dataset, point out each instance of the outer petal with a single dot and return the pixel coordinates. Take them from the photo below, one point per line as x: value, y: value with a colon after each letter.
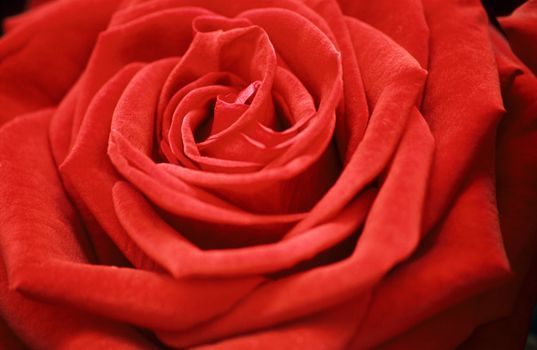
x: 498, y: 316
x: 521, y: 29
x: 462, y: 102
x: 46, y: 52
x: 328, y: 330
x: 8, y: 340
x: 445, y: 270
x: 42, y: 247
x: 36, y: 216
x: 403, y: 20
x: 517, y: 203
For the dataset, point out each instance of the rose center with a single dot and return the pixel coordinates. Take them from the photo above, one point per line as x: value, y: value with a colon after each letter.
x: 225, y: 110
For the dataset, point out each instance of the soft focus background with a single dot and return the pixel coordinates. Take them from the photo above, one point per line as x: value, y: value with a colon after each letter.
x: 494, y: 8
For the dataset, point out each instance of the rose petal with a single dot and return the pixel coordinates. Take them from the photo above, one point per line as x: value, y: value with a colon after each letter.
x: 393, y: 94
x: 8, y: 339
x: 39, y: 224
x: 143, y: 40
x: 462, y: 102
x: 34, y: 71
x: 404, y: 21
x: 521, y: 29
x: 331, y: 329
x: 428, y: 291
x: 51, y: 266
x: 447, y: 268
x: 168, y: 247
x: 90, y: 186
x: 517, y: 194
x: 353, y: 113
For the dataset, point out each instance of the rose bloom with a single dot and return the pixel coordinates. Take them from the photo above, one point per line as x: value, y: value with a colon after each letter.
x: 267, y: 174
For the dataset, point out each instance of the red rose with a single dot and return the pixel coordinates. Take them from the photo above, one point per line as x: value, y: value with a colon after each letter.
x: 267, y: 175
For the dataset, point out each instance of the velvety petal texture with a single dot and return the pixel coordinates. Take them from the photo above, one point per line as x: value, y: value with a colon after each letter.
x: 267, y: 174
